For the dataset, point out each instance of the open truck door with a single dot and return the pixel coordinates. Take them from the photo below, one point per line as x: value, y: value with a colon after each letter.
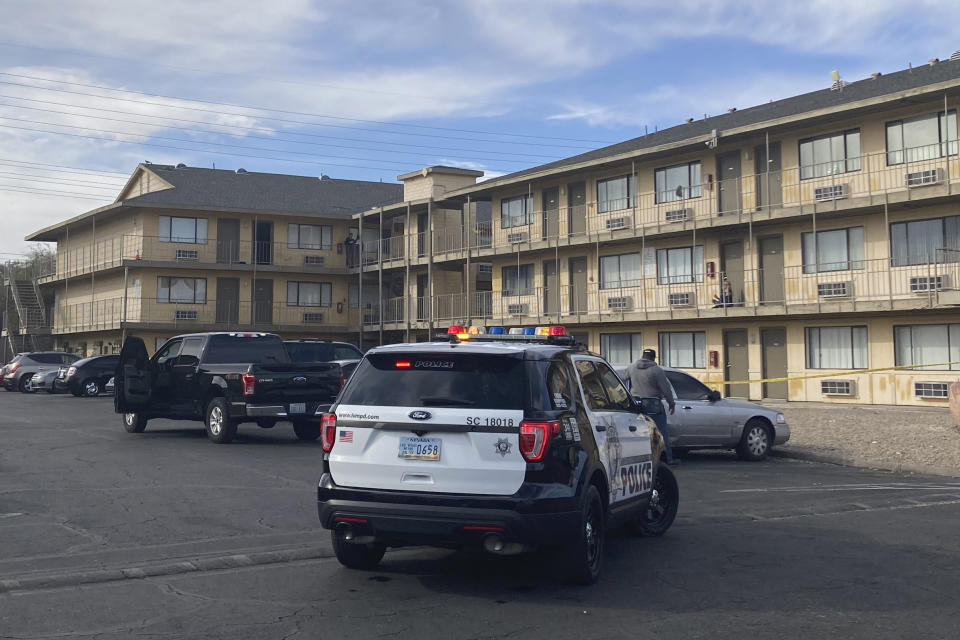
x: 133, y: 381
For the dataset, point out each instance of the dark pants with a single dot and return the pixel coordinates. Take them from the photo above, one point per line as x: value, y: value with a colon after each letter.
x: 661, y: 422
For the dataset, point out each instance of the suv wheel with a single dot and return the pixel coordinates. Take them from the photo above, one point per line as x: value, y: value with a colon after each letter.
x: 585, y: 555
x: 755, y: 443
x: 134, y: 423
x: 24, y: 384
x: 91, y: 387
x: 308, y: 431
x: 662, y: 508
x: 221, y: 428
x: 356, y: 556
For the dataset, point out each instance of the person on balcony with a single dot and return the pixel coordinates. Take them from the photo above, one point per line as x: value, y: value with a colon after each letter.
x: 725, y: 297
x: 352, y: 250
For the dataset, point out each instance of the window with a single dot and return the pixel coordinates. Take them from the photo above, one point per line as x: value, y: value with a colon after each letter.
x: 678, y: 182
x: 592, y: 386
x: 620, y: 271
x: 836, y: 250
x: 620, y: 349
x: 683, y: 349
x: 193, y: 230
x: 310, y: 236
x: 926, y: 344
x: 687, y: 387
x: 830, y: 155
x: 922, y: 138
x: 190, y: 352
x: 558, y: 386
x: 917, y: 242
x: 516, y: 212
x: 613, y: 194
x: 169, y: 352
x: 182, y: 290
x: 517, y: 281
x: 309, y: 294
x: 617, y: 394
x: 683, y: 264
x: 353, y: 296
x: 837, y: 348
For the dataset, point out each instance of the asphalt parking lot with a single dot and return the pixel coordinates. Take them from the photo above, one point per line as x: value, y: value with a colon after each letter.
x: 164, y: 535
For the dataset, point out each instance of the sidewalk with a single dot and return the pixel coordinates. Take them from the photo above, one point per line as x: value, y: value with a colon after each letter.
x: 907, y: 439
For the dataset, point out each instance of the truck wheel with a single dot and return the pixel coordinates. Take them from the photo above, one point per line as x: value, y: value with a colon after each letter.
x: 662, y: 508
x: 91, y: 387
x: 356, y: 556
x: 585, y: 555
x: 134, y: 423
x: 221, y: 428
x: 307, y: 431
x: 266, y: 423
x: 755, y: 443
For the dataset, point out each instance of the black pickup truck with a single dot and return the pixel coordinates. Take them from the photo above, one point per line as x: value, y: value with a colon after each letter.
x: 223, y: 379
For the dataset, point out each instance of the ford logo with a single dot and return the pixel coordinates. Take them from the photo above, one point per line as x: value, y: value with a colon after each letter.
x: 299, y: 380
x: 419, y: 415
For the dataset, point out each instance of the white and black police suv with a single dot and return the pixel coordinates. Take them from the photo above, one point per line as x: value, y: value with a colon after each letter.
x: 508, y: 443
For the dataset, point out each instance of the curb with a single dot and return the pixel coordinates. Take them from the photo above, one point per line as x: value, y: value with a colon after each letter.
x: 96, y: 576
x: 825, y: 458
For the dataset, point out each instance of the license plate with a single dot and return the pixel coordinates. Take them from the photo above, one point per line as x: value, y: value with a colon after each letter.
x: 419, y: 448
x: 297, y: 407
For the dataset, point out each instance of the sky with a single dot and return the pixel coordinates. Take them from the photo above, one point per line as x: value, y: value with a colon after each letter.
x: 371, y: 89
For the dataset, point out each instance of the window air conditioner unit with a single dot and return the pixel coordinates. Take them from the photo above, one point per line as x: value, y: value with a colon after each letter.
x: 620, y: 303
x: 484, y: 268
x: 517, y: 309
x: 937, y: 390
x: 517, y: 236
x: 315, y: 260
x: 838, y: 387
x: 188, y: 254
x: 926, y: 284
x: 830, y: 192
x: 313, y: 317
x: 834, y: 289
x: 616, y: 223
x: 678, y: 215
x: 925, y: 177
x: 185, y: 314
x: 680, y: 299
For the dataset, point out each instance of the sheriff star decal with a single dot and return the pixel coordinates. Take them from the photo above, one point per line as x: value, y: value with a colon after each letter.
x: 502, y: 446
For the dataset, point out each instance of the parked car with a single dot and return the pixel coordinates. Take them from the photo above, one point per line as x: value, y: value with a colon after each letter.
x: 21, y: 369
x: 110, y: 387
x: 704, y: 419
x: 89, y: 376
x: 47, y: 380
x: 343, y: 354
x: 223, y: 379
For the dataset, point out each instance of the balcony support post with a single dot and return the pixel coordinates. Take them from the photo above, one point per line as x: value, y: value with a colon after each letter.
x: 816, y: 260
x: 406, y: 284
x: 946, y: 117
x: 429, y: 268
x: 123, y: 315
x: 889, y: 270
x: 766, y: 158
x: 380, y: 276
x: 93, y: 270
x: 359, y: 246
x: 465, y: 235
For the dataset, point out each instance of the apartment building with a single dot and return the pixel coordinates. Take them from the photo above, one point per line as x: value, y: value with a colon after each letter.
x: 186, y: 249
x: 808, y: 245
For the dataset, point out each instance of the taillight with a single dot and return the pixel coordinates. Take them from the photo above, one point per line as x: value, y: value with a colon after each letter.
x: 342, y: 379
x: 535, y: 438
x: 328, y: 430
x: 249, y: 382
x: 14, y: 367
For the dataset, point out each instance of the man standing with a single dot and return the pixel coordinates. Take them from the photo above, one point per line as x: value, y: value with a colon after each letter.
x: 647, y: 380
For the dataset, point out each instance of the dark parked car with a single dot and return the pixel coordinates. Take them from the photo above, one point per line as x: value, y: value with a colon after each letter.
x: 89, y: 377
x: 343, y: 354
x: 20, y: 370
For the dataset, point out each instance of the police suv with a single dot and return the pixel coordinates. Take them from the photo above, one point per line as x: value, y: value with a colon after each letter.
x: 507, y: 443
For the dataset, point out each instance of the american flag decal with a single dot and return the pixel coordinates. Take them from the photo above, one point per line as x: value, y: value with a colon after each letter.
x: 346, y: 436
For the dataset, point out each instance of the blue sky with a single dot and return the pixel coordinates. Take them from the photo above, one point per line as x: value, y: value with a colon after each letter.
x: 369, y: 90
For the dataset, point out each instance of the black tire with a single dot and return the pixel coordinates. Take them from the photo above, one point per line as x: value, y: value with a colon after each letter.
x: 356, y: 556
x: 756, y: 441
x: 91, y: 388
x: 23, y: 384
x: 662, y: 509
x: 221, y: 428
x: 584, y: 557
x: 133, y: 422
x: 307, y: 431
x: 266, y: 423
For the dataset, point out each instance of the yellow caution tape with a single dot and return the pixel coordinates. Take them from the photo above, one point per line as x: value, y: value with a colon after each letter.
x: 833, y: 374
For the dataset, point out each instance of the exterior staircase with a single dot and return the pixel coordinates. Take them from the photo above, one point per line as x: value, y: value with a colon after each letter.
x: 30, y: 330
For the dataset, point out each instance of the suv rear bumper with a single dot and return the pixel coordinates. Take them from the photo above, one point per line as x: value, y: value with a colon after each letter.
x: 406, y: 517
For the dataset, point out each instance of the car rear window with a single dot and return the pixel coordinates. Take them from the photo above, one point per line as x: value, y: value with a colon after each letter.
x: 310, y: 351
x: 253, y: 349
x: 439, y: 380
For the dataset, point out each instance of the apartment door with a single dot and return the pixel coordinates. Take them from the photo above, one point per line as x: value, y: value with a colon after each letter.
x: 735, y: 362
x: 422, y: 224
x: 728, y: 183
x: 771, y: 269
x: 731, y: 264
x: 551, y: 288
x: 774, y: 345
x: 551, y: 212
x: 228, y: 240
x: 263, y: 242
x: 423, y: 285
x: 769, y: 186
x: 262, y: 301
x: 577, y: 268
x: 228, y: 301
x: 577, y: 208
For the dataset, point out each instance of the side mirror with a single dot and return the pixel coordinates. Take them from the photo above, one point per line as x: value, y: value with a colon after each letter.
x: 713, y: 396
x: 649, y: 406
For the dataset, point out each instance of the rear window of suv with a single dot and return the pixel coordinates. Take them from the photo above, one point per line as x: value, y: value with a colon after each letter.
x: 321, y: 351
x: 225, y: 349
x: 439, y: 380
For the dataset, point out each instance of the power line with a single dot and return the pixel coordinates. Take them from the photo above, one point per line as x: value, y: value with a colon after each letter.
x: 71, y: 180
x: 60, y: 166
x: 303, y: 113
x: 92, y: 191
x: 63, y: 194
